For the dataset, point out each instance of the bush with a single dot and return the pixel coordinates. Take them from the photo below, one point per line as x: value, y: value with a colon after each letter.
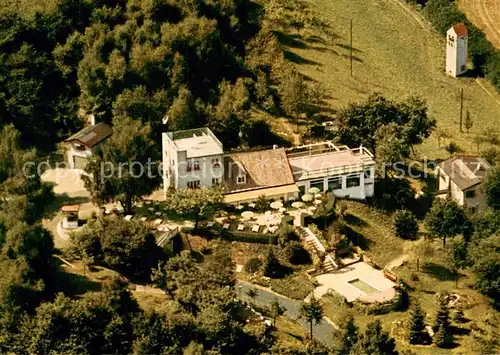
x: 405, y: 225
x: 297, y: 254
x: 253, y: 265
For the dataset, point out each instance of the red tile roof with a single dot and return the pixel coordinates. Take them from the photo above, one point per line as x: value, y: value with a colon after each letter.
x: 460, y: 29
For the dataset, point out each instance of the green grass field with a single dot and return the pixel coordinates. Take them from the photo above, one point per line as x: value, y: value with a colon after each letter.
x: 397, y: 54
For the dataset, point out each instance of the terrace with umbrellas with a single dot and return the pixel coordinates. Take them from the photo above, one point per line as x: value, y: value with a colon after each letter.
x: 265, y: 216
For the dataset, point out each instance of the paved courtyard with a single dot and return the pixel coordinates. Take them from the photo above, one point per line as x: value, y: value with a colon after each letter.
x: 357, y: 281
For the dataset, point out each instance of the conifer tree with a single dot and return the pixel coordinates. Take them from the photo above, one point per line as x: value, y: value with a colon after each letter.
x: 417, y: 324
x: 443, y: 336
x: 468, y: 122
x: 272, y: 266
x: 349, y: 337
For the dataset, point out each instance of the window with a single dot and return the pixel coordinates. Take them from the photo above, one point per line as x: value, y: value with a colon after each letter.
x: 320, y: 184
x: 215, y: 181
x: 215, y: 163
x: 353, y: 180
x: 470, y: 194
x: 472, y: 210
x: 241, y: 179
x: 302, y: 189
x: 193, y: 184
x: 189, y: 166
x: 196, y: 165
x: 335, y: 183
x: 368, y: 174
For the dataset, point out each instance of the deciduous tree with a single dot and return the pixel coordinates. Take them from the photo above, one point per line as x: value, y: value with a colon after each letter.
x: 312, y: 311
x: 277, y: 310
x: 447, y: 219
x: 126, y: 169
x: 405, y: 224
x: 193, y: 202
x: 492, y: 189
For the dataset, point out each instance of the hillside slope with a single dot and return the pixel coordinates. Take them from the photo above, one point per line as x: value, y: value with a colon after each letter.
x: 397, y: 54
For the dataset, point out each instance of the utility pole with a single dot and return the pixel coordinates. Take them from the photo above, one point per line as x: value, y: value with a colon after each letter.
x: 461, y: 108
x: 350, y: 46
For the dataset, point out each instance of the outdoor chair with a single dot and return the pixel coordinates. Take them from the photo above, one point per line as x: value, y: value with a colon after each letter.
x: 128, y: 217
x: 241, y: 227
x: 255, y: 228
x: 226, y: 226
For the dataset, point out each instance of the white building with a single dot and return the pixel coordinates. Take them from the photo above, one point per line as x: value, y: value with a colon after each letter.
x: 456, y: 50
x: 86, y: 142
x: 461, y: 178
x: 195, y: 159
x: 192, y: 159
x: 349, y: 173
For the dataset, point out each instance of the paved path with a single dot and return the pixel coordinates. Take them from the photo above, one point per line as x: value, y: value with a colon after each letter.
x: 323, y: 331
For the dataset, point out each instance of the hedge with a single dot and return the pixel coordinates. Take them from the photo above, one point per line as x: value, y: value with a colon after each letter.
x: 248, y: 237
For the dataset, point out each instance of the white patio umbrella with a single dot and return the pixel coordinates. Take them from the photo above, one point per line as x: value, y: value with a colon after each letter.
x: 318, y: 195
x: 298, y: 204
x: 312, y: 208
x: 318, y: 202
x: 313, y: 190
x: 247, y: 214
x: 240, y: 207
x: 307, y: 197
x: 252, y: 205
x: 276, y: 205
x: 282, y: 209
x: 267, y: 213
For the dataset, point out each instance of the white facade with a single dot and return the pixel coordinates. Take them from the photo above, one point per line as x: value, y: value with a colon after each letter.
x: 77, y: 154
x: 192, y: 159
x: 348, y: 173
x: 472, y: 198
x: 456, y: 50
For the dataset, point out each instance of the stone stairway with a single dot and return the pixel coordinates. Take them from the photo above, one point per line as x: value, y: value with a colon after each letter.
x: 312, y: 241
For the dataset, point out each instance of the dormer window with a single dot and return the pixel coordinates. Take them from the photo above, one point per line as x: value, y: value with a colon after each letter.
x: 241, y: 179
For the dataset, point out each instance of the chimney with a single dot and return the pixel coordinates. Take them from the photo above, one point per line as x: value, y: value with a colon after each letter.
x: 92, y: 119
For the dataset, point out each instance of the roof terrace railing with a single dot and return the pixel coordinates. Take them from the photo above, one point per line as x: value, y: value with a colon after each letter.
x: 325, y: 148
x: 331, y: 171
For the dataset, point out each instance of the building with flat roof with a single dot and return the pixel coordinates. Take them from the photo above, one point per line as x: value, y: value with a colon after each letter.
x: 192, y: 159
x: 461, y: 177
x: 195, y: 159
x: 347, y: 172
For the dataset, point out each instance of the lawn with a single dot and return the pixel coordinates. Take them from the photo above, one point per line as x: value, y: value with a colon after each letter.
x: 394, y: 55
x: 372, y: 231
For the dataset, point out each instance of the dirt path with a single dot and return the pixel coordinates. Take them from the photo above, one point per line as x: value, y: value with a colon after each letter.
x: 485, y: 14
x: 397, y: 262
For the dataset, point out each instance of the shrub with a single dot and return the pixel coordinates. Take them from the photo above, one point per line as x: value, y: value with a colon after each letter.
x: 297, y: 254
x: 405, y: 224
x: 253, y: 265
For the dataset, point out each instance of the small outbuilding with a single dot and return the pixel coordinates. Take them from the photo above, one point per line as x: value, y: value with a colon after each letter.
x: 84, y: 143
x: 456, y: 50
x: 70, y: 216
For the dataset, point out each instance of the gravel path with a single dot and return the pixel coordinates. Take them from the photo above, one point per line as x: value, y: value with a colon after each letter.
x: 323, y: 331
